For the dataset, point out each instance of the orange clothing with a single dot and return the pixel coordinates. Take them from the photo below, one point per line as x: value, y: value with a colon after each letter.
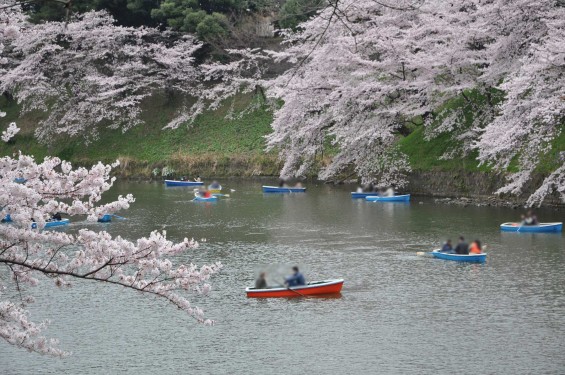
x: 474, y: 249
x: 207, y: 194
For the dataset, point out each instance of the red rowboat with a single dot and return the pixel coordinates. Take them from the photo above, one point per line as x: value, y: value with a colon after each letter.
x: 311, y: 289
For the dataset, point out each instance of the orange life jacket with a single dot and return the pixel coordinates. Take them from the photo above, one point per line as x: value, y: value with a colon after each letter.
x: 474, y: 249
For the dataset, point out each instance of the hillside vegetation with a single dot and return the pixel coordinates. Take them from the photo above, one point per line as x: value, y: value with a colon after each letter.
x: 216, y: 144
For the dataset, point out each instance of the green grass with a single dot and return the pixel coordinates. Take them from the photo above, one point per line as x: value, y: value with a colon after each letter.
x: 211, y: 133
x: 425, y: 155
x: 550, y: 160
x: 216, y: 142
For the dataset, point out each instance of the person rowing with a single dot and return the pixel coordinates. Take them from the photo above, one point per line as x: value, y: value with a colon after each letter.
x: 295, y: 279
x: 530, y: 219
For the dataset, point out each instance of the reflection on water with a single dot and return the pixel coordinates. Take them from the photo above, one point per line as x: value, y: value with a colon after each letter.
x: 398, y: 313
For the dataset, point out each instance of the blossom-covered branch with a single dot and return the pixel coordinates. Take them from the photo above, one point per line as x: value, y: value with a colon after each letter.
x: 89, y: 72
x: 34, y: 191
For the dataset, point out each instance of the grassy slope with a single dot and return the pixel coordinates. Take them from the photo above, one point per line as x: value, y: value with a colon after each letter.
x: 211, y: 133
x: 212, y: 139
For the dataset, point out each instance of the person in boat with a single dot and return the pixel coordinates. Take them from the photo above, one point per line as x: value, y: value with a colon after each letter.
x: 359, y: 189
x: 198, y: 179
x: 296, y: 279
x: 462, y: 247
x: 298, y: 184
x: 389, y: 192
x: 56, y: 216
x: 530, y: 219
x: 475, y: 247
x: 447, y: 247
x: 261, y: 282
x: 204, y: 193
x: 183, y: 178
x: 215, y: 185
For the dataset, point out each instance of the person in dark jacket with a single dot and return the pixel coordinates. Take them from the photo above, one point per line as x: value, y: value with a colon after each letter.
x: 57, y: 216
x: 296, y: 279
x: 261, y: 282
x: 462, y: 247
x: 530, y: 219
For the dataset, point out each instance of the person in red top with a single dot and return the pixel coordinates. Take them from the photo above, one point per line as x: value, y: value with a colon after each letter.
x: 207, y: 194
x: 475, y: 247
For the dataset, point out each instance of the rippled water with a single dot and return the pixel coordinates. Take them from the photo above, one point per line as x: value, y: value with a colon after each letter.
x: 398, y: 313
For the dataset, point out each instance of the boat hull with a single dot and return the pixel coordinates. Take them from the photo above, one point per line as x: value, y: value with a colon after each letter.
x: 472, y: 258
x: 183, y: 183
x: 105, y: 219
x: 540, y: 228
x: 202, y: 199
x: 311, y: 289
x: 356, y: 195
x: 53, y: 223
x: 394, y: 198
x: 276, y: 189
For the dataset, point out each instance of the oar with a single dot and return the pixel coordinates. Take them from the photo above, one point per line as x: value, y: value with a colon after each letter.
x: 295, y: 291
x: 119, y: 217
x: 521, y: 224
x: 423, y: 253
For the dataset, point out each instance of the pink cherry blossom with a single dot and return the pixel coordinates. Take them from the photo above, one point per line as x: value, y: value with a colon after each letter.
x: 55, y: 186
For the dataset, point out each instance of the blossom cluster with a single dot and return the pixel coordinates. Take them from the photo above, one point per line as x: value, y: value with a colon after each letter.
x: 32, y: 192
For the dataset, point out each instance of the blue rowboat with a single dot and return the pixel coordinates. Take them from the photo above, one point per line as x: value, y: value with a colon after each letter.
x: 52, y: 223
x: 203, y: 199
x: 394, y: 198
x: 276, y: 189
x: 183, y: 183
x: 473, y: 258
x: 356, y: 195
x: 7, y: 219
x: 105, y: 219
x: 19, y: 180
x: 539, y: 228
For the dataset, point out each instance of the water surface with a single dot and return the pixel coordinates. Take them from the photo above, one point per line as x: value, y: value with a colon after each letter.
x: 398, y: 313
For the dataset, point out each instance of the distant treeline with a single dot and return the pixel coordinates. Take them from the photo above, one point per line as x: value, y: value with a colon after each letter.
x: 217, y: 22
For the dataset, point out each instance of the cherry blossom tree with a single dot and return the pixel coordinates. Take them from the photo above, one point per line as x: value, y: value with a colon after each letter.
x: 89, y: 72
x: 30, y: 255
x: 361, y: 70
x: 526, y: 61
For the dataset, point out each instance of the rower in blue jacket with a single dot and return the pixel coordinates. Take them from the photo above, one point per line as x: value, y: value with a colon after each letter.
x: 296, y: 279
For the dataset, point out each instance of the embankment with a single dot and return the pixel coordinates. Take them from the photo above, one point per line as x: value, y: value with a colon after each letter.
x: 218, y: 146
